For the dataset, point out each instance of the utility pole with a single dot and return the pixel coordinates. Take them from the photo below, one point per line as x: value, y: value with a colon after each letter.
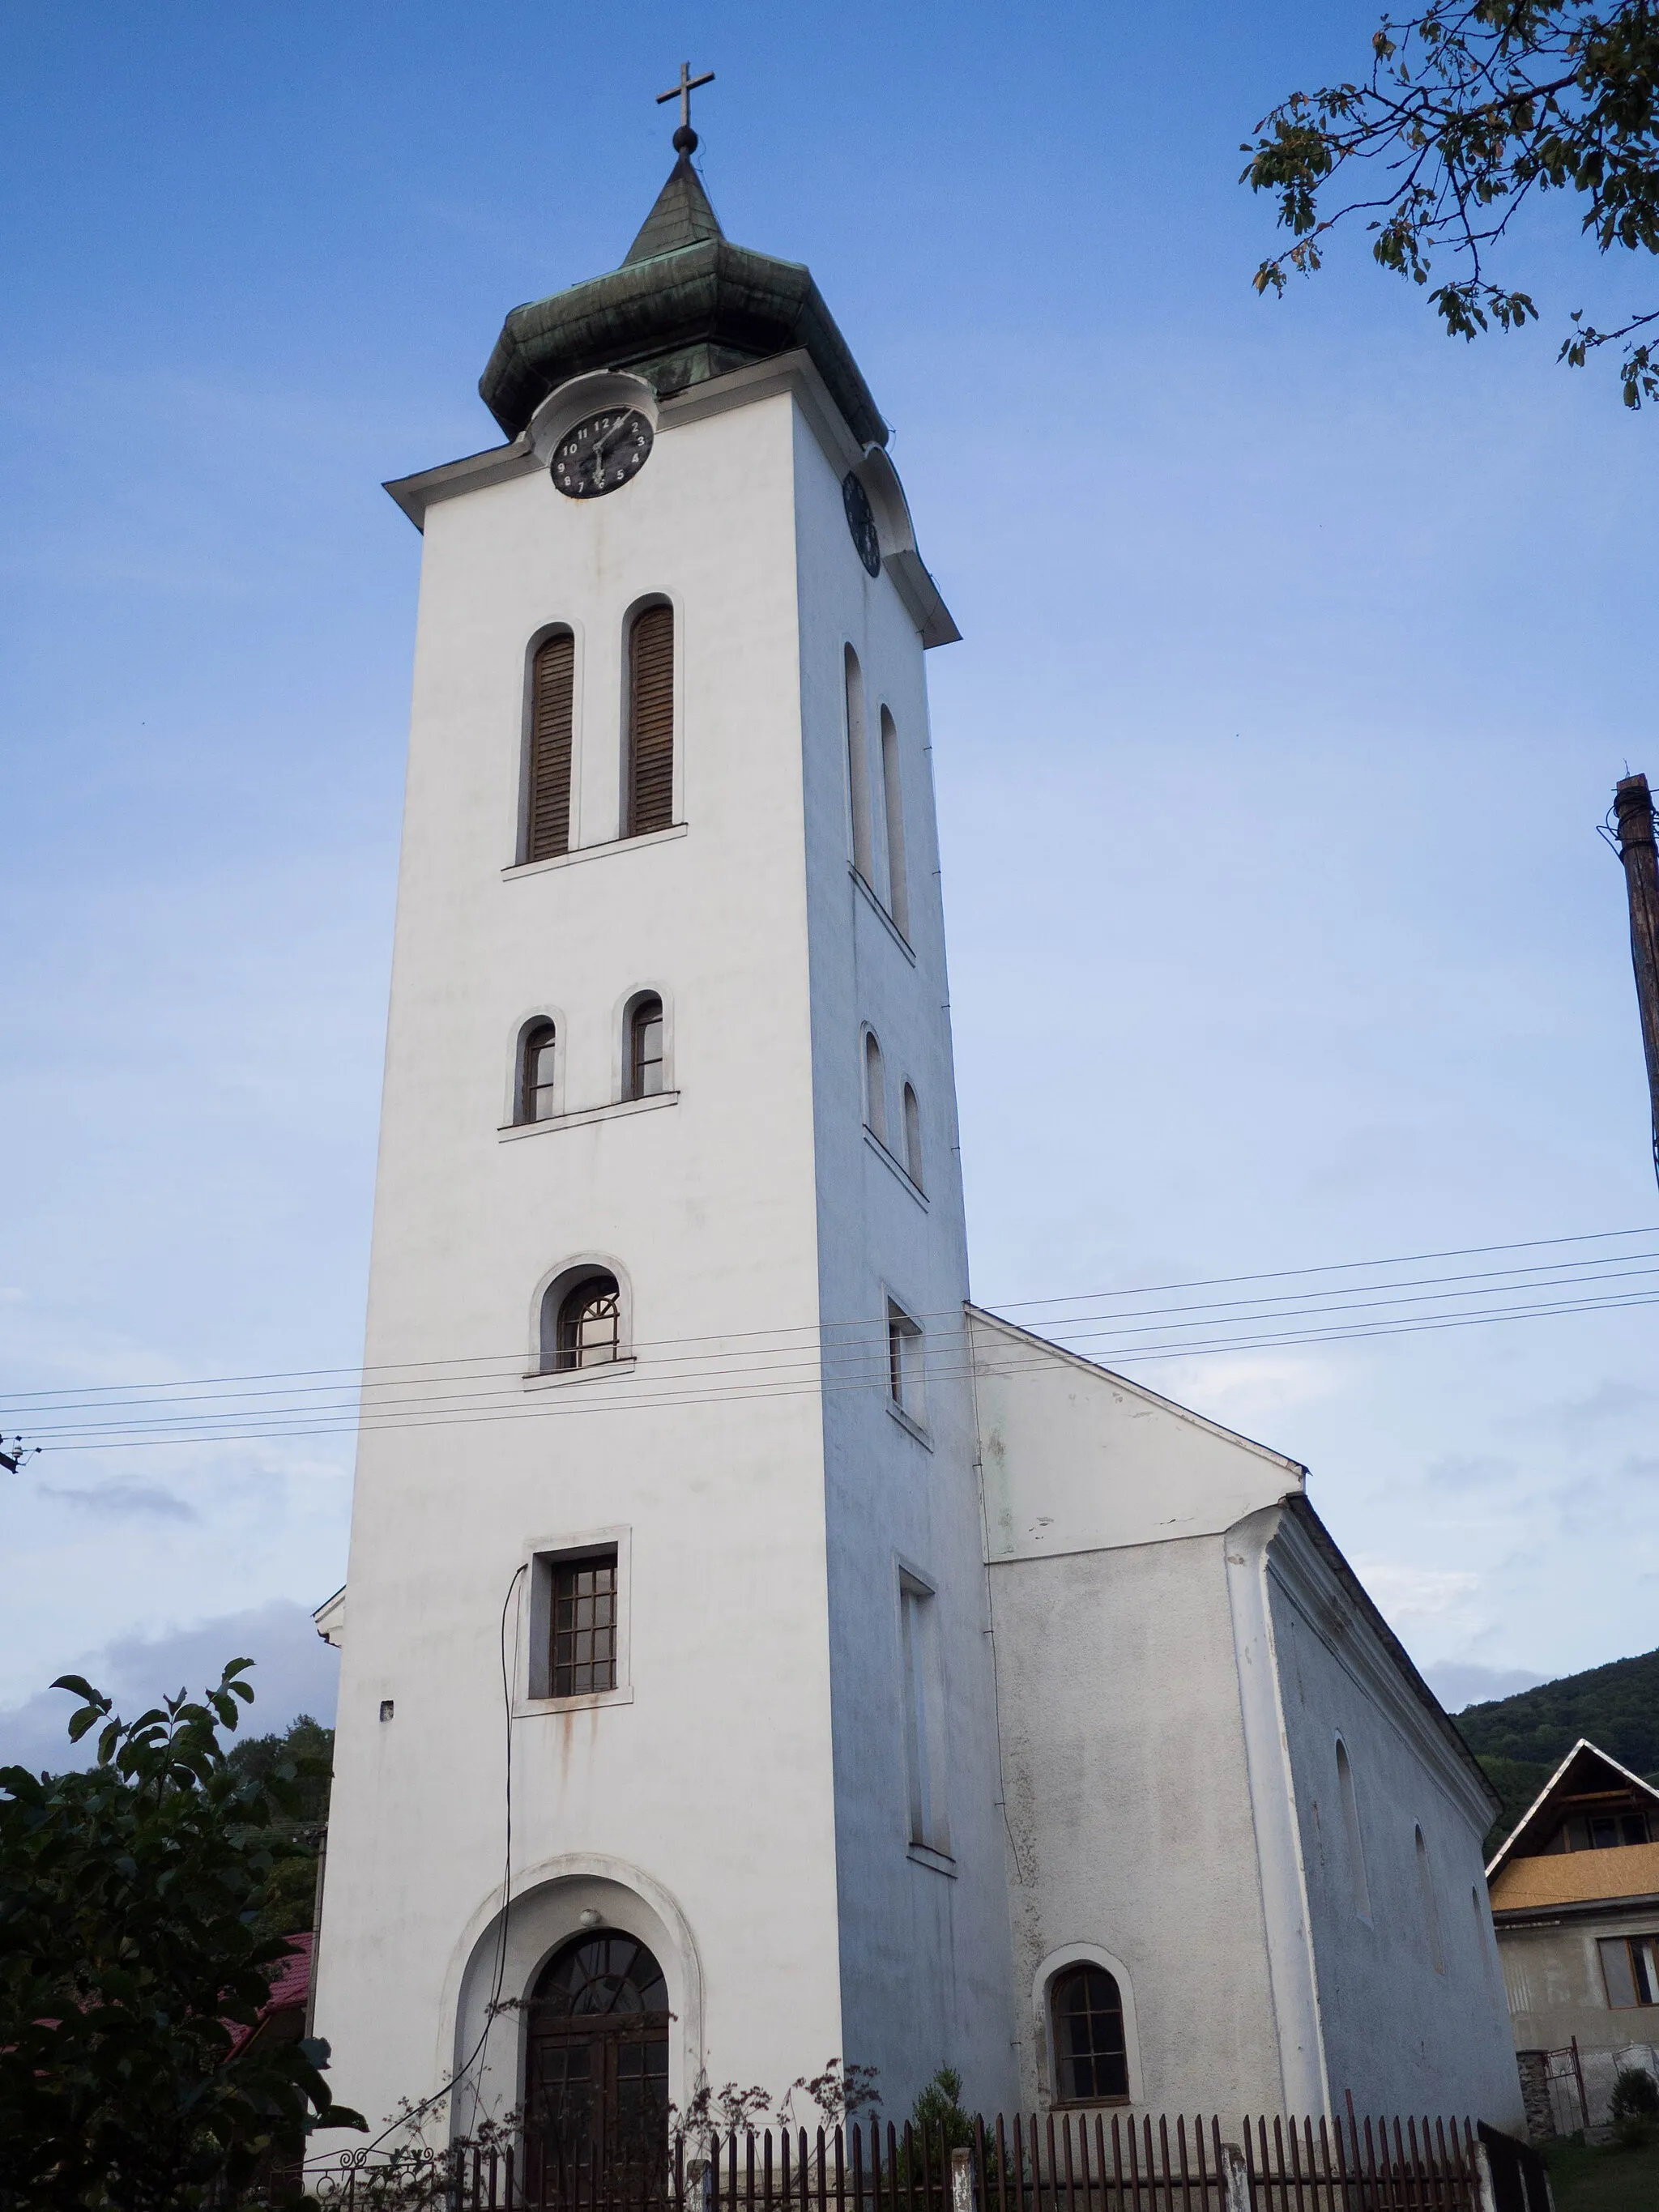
x: 1633, y: 806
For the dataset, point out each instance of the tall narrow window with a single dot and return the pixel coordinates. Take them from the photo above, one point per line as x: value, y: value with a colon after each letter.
x: 913, y: 1138
x: 904, y: 1388
x: 924, y: 1716
x: 857, y: 768
x: 1359, y: 1887
x: 552, y: 695
x: 537, y: 1056
x: 645, y: 1058
x: 582, y: 1327
x: 584, y: 1624
x: 1430, y: 1910
x: 875, y: 1088
x: 1091, y: 2058
x: 898, y: 894
x: 651, y: 721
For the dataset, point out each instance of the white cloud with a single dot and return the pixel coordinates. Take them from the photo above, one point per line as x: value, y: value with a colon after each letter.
x: 295, y: 1672
x: 1460, y: 1682
x: 1408, y: 1594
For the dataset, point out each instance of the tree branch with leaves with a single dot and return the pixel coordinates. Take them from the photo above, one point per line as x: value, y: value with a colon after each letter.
x: 1472, y: 108
x: 132, y: 1965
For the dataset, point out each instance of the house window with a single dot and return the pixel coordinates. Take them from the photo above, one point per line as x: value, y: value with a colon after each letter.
x: 898, y: 894
x: 913, y: 1138
x: 582, y: 1327
x: 904, y: 1389
x: 1091, y: 2058
x: 1360, y: 1887
x: 857, y: 768
x: 552, y: 697
x: 875, y: 1088
x: 645, y: 1056
x: 1630, y: 1967
x: 1430, y: 1910
x: 582, y: 1621
x: 536, y: 1061
x: 924, y: 1716
x: 651, y: 720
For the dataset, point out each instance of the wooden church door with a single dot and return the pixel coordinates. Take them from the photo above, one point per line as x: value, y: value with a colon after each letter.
x: 596, y: 2076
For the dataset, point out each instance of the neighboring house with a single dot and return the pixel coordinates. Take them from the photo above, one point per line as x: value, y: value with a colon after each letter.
x: 1575, y: 1899
x: 879, y: 1679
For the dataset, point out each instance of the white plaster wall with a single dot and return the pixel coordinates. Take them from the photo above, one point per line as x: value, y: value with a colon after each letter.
x: 716, y: 1780
x: 1129, y: 1813
x: 1400, y: 2034
x: 1131, y: 1827
x: 924, y: 1945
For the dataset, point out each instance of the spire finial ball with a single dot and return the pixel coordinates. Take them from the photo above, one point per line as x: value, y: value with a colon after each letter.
x: 685, y: 139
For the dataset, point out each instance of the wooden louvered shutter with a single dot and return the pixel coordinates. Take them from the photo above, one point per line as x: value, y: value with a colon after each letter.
x: 553, y: 693
x: 651, y: 721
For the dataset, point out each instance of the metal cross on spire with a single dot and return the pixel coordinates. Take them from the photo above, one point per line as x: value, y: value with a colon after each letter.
x: 682, y: 92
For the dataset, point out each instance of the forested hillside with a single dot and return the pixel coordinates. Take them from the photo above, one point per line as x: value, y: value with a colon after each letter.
x: 1521, y: 1740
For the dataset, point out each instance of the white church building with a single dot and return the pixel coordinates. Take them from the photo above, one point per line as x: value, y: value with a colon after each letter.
x: 752, y: 1652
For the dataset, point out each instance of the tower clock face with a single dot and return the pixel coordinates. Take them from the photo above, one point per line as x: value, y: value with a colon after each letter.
x: 602, y: 454
x: 861, y: 522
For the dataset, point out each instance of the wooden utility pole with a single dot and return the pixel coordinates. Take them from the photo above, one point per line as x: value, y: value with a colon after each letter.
x: 1633, y: 806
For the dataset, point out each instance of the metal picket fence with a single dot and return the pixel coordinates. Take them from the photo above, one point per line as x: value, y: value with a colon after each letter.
x: 1061, y: 2161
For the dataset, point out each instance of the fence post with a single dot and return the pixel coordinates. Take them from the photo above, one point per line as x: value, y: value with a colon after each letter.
x: 962, y: 2181
x: 1236, y: 2178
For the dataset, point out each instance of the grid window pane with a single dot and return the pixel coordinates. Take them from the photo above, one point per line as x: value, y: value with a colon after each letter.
x: 584, y: 1626
x: 645, y: 1074
x: 589, y: 1324
x: 1089, y: 2043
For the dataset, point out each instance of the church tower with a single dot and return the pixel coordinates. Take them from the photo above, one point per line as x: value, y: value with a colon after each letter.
x: 666, y: 1685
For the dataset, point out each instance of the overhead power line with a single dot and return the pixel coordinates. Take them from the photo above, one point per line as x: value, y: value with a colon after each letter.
x: 778, y: 1363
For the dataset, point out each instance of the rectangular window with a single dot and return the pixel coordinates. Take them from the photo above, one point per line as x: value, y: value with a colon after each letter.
x: 924, y: 1716
x: 582, y: 1626
x: 1630, y: 1967
x: 904, y: 1380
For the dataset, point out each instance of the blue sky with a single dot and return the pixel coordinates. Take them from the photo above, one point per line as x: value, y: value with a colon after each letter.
x: 1303, y: 648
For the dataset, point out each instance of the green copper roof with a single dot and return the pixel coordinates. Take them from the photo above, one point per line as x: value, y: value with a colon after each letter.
x: 682, y: 216
x: 686, y: 305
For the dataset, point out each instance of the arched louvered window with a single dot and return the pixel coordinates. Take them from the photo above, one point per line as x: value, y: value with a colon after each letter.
x: 858, y: 768
x: 538, y: 1053
x: 875, y: 1088
x: 552, y: 703
x: 913, y: 1138
x: 582, y: 1324
x: 1091, y: 2058
x: 651, y: 720
x: 644, y: 1049
x: 898, y: 891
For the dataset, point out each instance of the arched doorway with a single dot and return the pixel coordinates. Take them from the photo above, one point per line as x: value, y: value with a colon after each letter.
x: 596, y: 2073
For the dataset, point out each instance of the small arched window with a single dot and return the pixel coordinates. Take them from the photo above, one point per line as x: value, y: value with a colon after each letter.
x: 651, y: 720
x: 1431, y: 1908
x: 1091, y: 2058
x: 581, y: 1325
x: 645, y: 1050
x: 875, y: 1088
x: 898, y: 895
x: 857, y: 768
x: 536, y: 1057
x: 1358, y: 1885
x: 913, y: 1138
x: 552, y: 701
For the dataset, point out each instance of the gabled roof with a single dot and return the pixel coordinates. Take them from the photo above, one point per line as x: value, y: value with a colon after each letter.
x: 1584, y: 1768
